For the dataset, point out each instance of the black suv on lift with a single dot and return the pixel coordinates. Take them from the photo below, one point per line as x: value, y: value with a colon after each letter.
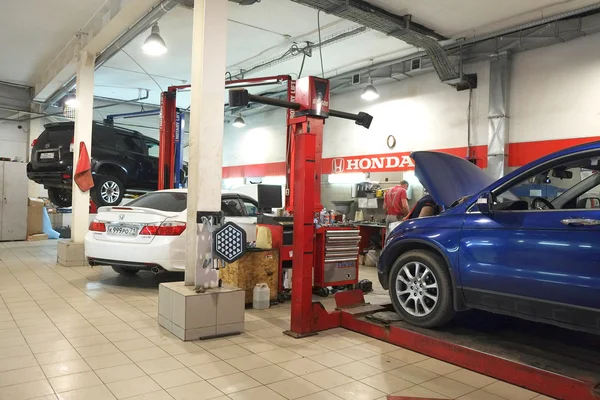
x: 123, y: 161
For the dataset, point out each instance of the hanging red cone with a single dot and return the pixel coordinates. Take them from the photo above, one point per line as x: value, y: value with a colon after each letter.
x: 83, y: 172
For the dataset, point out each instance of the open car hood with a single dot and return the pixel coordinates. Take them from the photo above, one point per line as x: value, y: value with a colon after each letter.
x: 447, y: 177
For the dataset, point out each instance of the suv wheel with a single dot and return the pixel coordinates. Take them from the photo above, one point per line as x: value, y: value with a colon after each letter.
x: 421, y: 289
x: 60, y: 197
x: 107, y: 191
x: 125, y: 270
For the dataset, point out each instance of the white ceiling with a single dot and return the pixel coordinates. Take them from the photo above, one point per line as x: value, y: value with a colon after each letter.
x: 33, y: 31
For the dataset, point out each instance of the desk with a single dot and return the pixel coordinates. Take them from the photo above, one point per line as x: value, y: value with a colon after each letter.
x: 370, y: 233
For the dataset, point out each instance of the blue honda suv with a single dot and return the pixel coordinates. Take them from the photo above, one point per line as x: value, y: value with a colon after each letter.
x: 526, y: 245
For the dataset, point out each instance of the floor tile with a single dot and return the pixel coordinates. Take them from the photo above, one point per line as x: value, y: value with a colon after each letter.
x: 246, y: 363
x: 97, y: 350
x: 119, y: 373
x: 324, y: 395
x: 150, y: 353
x: 302, y: 366
x: 233, y: 383
x: 331, y: 359
x: 327, y: 379
x: 65, y: 368
x: 75, y: 381
x: 448, y: 387
x: 196, y: 358
x: 176, y: 377
x: 357, y: 391
x: 195, y: 391
x: 160, y: 365
x: 134, y: 344
x: 357, y: 352
x: 406, y: 356
x: 387, y: 383
x: 279, y: 355
x: 308, y: 349
x: 160, y: 395
x: 383, y: 363
x: 213, y: 343
x: 122, y: 335
x: 79, y: 332
x: 483, y: 395
x: 258, y: 393
x: 413, y: 374
x: 471, y: 378
x: 227, y: 352
x: 133, y: 387
x: 181, y: 348
x: 259, y: 346
x: 437, y: 366
x: 214, y: 370
x: 91, y: 393
x: 419, y: 391
x: 25, y: 391
x: 333, y: 343
x: 8, y: 364
x: 46, y: 347
x: 270, y: 374
x: 357, y: 370
x: 509, y: 391
x: 294, y: 388
x: 16, y: 376
x: 14, y: 351
x: 88, y: 340
x: 57, y: 356
x: 107, y: 360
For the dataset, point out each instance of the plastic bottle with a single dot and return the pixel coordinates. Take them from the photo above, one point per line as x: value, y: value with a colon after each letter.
x: 325, y: 217
x: 261, y: 295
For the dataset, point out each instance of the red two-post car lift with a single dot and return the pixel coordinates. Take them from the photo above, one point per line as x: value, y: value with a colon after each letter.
x: 559, y: 363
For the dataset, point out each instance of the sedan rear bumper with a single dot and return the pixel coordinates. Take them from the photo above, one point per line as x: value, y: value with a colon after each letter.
x: 164, y: 252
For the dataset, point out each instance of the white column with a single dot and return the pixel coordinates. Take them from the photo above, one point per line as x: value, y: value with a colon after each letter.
x: 36, y: 127
x: 83, y: 133
x: 209, y: 47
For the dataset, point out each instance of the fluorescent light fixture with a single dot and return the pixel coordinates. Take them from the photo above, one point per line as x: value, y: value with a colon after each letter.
x: 349, y: 178
x: 234, y: 85
x: 370, y: 93
x: 154, y: 45
x: 239, y: 122
x: 230, y: 183
x: 71, y: 101
x: 274, y: 180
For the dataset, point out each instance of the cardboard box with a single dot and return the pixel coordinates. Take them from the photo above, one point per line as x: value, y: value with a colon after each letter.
x: 35, y: 214
x: 37, y: 236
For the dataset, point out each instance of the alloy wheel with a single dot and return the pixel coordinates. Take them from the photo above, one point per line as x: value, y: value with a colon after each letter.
x: 417, y: 289
x: 110, y: 192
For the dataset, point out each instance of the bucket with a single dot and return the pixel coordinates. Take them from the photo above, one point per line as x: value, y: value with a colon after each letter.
x: 261, y: 295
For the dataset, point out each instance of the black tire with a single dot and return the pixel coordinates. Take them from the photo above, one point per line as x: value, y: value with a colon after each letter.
x: 60, y: 197
x: 107, y: 191
x: 441, y: 311
x: 281, y: 297
x: 125, y: 270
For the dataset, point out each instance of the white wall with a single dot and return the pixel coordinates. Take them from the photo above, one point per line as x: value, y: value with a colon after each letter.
x: 555, y: 91
x: 555, y: 94
x: 13, y: 141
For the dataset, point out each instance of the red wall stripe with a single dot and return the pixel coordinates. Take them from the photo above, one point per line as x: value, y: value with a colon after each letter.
x: 518, y: 154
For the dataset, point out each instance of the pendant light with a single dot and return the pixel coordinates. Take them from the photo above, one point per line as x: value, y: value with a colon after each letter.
x: 154, y: 45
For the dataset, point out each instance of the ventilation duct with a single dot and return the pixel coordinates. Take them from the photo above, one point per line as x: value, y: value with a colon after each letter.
x: 393, y: 25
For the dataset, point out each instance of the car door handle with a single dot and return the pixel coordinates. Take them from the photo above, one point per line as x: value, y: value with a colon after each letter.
x: 580, y: 222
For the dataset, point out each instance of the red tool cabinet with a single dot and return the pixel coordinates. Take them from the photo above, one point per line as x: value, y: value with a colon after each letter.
x: 336, y: 256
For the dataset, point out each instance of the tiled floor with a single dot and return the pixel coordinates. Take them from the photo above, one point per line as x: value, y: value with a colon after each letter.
x: 82, y: 333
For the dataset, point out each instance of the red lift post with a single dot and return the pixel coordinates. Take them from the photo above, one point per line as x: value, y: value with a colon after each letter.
x: 305, y: 143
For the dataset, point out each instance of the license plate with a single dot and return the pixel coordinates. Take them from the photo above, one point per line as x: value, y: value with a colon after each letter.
x: 47, y: 156
x: 122, y: 230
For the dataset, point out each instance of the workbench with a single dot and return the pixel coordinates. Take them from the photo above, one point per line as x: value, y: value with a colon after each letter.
x: 370, y: 232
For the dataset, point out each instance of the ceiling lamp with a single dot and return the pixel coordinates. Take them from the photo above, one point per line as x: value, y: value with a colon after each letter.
x: 370, y: 93
x: 71, y: 101
x: 154, y: 44
x: 239, y: 122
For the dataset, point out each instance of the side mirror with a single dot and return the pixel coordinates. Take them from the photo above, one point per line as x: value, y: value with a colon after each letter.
x: 485, y: 202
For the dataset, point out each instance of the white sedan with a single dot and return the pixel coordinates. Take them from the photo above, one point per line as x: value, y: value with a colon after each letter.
x: 148, y: 232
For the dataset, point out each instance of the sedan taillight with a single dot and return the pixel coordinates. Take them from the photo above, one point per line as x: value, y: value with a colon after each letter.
x: 164, y: 229
x: 97, y: 226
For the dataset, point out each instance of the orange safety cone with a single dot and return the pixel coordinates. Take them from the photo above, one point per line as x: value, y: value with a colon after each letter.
x: 83, y: 172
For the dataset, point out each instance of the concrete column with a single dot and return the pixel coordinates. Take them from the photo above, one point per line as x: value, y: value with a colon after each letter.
x: 209, y: 47
x: 83, y: 133
x: 36, y: 127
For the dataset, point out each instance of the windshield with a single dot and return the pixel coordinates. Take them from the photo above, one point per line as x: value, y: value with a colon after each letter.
x: 163, y: 201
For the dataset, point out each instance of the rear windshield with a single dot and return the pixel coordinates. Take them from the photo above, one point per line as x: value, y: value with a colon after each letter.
x: 63, y: 135
x: 163, y: 201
